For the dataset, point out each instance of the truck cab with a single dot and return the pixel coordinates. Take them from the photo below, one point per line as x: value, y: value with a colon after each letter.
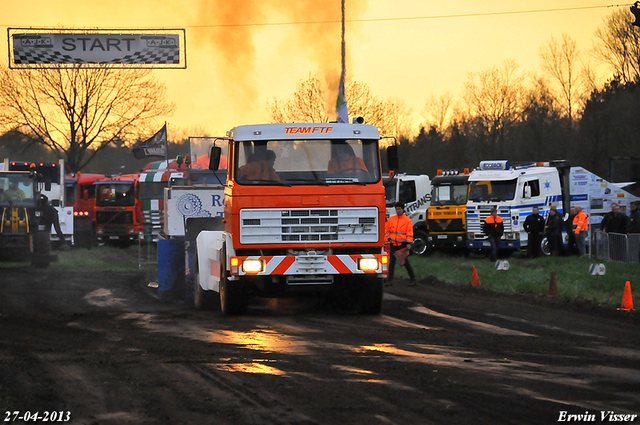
x: 304, y: 210
x: 24, y: 235
x: 118, y: 211
x: 514, y: 190
x: 446, y: 214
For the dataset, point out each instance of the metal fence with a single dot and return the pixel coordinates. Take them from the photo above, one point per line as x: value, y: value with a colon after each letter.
x: 616, y: 247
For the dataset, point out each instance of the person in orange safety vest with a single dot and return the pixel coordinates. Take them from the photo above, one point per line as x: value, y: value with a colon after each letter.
x: 399, y: 234
x: 345, y: 161
x: 581, y: 227
x: 493, y: 227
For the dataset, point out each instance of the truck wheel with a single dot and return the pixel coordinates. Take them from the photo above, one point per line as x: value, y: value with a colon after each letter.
x: 544, y: 246
x: 420, y: 245
x: 371, y: 294
x: 41, y: 247
x: 232, y: 301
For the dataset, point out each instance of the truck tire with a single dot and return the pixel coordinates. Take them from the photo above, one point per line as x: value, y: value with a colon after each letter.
x: 41, y: 247
x: 420, y: 245
x: 371, y: 294
x: 232, y: 300
x: 544, y: 246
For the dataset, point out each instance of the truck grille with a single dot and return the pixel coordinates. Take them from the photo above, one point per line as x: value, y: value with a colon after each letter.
x: 476, y: 217
x: 442, y: 225
x: 344, y: 225
x: 114, y: 217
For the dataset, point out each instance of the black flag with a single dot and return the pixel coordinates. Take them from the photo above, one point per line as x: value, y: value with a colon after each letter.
x: 154, y: 146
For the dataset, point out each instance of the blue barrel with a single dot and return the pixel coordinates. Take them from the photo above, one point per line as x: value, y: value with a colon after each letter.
x: 170, y: 265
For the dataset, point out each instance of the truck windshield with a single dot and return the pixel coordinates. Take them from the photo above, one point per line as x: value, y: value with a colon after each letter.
x: 450, y: 194
x: 17, y: 189
x: 116, y: 195
x: 496, y: 190
x: 305, y: 162
x: 152, y: 190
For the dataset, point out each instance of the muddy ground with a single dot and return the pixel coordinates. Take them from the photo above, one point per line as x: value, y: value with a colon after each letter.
x: 104, y: 349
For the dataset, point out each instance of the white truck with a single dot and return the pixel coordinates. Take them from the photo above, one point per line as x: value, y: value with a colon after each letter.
x: 415, y: 192
x: 53, y: 172
x: 514, y: 189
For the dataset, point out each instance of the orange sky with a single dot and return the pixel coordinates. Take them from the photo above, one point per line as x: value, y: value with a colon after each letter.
x: 232, y: 72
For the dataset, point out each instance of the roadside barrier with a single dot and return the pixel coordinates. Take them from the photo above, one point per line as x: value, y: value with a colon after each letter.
x: 616, y: 247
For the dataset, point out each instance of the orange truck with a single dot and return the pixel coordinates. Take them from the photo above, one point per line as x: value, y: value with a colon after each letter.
x: 304, y: 210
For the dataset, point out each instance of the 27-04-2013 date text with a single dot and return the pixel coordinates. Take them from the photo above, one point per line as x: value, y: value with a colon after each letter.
x: 46, y: 416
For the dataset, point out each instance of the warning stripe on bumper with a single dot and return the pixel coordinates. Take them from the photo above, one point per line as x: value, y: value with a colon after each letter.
x: 305, y: 265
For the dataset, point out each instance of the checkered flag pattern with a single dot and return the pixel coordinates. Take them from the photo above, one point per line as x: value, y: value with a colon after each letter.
x: 42, y: 56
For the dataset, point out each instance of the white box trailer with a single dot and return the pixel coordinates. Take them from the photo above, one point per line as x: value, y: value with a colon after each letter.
x: 184, y: 202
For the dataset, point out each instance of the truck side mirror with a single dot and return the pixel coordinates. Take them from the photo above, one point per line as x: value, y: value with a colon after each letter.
x: 47, y: 185
x: 85, y: 194
x: 392, y: 157
x: 527, y: 192
x: 214, y: 158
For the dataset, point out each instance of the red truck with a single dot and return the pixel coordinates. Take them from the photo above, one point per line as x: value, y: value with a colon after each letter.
x: 81, y: 194
x: 119, y: 216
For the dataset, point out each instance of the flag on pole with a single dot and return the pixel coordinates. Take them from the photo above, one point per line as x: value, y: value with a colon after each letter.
x: 154, y: 146
x: 342, y: 111
x: 341, y: 104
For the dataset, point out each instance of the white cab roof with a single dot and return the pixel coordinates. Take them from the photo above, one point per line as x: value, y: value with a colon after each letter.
x: 304, y: 131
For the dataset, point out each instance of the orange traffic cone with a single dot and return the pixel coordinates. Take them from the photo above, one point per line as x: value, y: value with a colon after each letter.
x: 553, y: 289
x: 475, y: 279
x: 627, y: 299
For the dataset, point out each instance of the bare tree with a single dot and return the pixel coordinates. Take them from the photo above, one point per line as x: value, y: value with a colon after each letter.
x: 77, y: 112
x: 310, y: 104
x: 618, y: 45
x: 437, y: 110
x: 559, y: 60
x: 494, y: 97
x: 306, y: 105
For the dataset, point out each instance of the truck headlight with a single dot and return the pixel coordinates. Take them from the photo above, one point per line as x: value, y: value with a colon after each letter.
x: 252, y: 266
x: 368, y: 264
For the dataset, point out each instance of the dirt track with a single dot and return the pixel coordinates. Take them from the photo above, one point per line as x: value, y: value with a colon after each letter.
x: 107, y: 351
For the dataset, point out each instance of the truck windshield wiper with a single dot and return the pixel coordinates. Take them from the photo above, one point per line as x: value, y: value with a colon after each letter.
x: 316, y: 181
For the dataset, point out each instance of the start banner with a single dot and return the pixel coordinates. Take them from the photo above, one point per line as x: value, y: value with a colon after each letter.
x: 127, y: 48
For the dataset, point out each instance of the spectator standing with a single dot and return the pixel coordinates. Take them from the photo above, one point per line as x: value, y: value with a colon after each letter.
x: 493, y: 227
x: 571, y: 234
x: 614, y: 221
x: 51, y: 218
x: 581, y: 226
x: 633, y: 226
x: 553, y: 229
x: 534, y: 226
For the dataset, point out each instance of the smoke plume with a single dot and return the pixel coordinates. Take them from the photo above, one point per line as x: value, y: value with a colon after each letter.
x: 228, y: 29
